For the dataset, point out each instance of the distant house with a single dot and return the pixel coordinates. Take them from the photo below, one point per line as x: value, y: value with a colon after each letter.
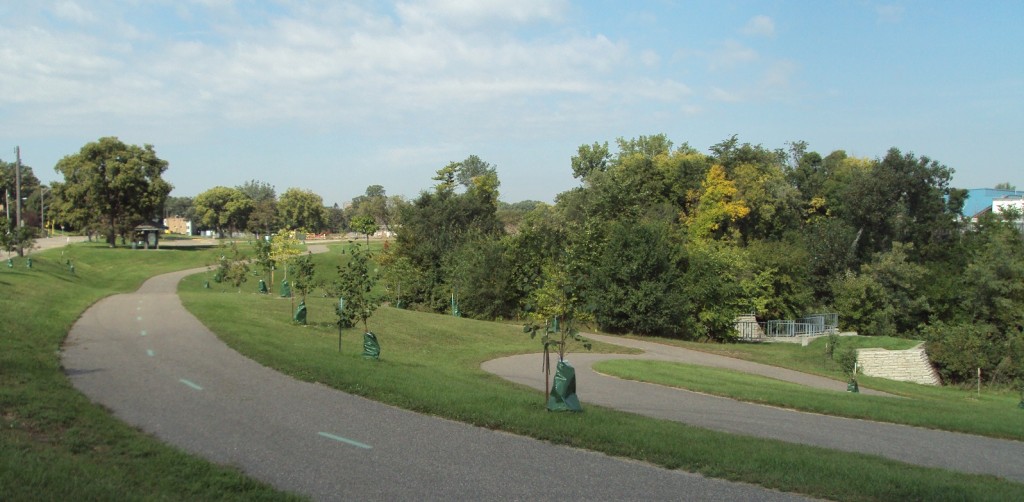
x: 1002, y: 204
x: 1016, y: 203
x: 178, y: 225
x: 980, y: 200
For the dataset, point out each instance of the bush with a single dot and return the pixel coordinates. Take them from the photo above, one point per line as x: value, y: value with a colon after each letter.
x: 847, y: 359
x: 958, y: 350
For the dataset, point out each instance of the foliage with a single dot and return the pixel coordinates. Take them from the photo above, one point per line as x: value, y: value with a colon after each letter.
x: 14, y: 239
x: 365, y: 225
x: 633, y: 286
x: 233, y: 268
x: 284, y: 245
x: 262, y: 248
x: 223, y: 208
x: 713, y: 294
x: 375, y: 204
x: 263, y: 216
x: 865, y: 305
x: 399, y: 277
x: 303, y: 275
x: 356, y: 280
x: 717, y: 207
x: 557, y: 308
x: 479, y: 274
x: 847, y: 359
x: 180, y: 206
x: 437, y: 223
x: 302, y: 210
x: 111, y: 186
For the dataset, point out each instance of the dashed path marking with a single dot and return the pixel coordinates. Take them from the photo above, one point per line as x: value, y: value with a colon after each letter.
x: 346, y: 440
x: 190, y: 384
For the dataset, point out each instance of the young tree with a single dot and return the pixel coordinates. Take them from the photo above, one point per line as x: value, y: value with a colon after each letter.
x: 356, y: 280
x: 14, y: 239
x: 303, y: 275
x: 117, y: 186
x: 283, y: 246
x: 263, y: 249
x: 234, y: 269
x: 365, y: 225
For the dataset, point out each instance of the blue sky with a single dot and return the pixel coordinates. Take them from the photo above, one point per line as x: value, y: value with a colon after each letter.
x: 334, y: 96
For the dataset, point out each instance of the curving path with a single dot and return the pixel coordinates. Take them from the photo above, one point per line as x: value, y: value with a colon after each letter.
x: 155, y: 366
x: 926, y: 447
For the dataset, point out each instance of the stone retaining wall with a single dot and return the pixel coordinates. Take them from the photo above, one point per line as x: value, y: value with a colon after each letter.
x: 911, y: 365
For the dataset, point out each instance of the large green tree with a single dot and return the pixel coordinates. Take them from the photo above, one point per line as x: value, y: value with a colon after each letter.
x: 223, y: 208
x: 437, y: 223
x: 263, y: 217
x: 115, y: 186
x: 302, y: 210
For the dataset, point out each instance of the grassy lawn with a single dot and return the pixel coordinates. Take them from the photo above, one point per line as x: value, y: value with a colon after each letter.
x: 994, y: 414
x: 809, y: 359
x: 431, y: 363
x: 55, y: 444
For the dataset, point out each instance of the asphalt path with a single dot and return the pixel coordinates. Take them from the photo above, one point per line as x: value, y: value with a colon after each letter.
x: 156, y: 367
x: 914, y: 445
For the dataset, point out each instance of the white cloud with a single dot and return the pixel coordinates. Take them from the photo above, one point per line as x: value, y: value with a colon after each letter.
x: 778, y: 75
x: 719, y: 94
x: 73, y: 12
x: 889, y: 13
x: 732, y: 54
x: 649, y: 58
x: 470, y: 13
x: 325, y: 68
x: 759, y: 26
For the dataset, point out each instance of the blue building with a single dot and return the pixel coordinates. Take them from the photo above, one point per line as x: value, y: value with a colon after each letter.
x: 980, y: 199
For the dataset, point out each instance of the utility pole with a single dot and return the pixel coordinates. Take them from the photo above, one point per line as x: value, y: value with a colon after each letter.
x: 17, y: 193
x: 42, y: 209
x: 17, y: 185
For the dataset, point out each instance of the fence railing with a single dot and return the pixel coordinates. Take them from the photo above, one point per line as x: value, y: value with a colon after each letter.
x: 810, y: 325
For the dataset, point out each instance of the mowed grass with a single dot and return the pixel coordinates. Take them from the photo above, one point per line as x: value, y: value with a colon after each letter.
x: 431, y: 363
x: 54, y: 443
x: 809, y: 359
x: 994, y: 414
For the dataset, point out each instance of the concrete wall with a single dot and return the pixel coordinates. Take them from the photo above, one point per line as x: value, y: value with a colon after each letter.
x: 911, y: 365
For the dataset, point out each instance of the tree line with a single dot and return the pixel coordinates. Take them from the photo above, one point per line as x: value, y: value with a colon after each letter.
x: 657, y: 239
x: 666, y: 240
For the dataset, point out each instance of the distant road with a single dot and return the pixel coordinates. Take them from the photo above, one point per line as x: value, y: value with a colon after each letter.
x: 56, y: 242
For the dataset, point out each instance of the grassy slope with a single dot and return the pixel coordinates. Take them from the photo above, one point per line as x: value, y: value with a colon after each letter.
x: 55, y: 444
x: 994, y: 415
x: 431, y: 363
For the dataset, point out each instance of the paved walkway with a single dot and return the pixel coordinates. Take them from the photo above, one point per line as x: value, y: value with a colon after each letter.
x: 155, y: 366
x: 926, y: 447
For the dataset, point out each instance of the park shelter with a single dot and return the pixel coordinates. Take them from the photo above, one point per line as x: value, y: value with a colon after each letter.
x: 147, y: 236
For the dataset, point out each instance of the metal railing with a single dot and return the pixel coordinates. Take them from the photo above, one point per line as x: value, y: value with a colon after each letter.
x: 810, y: 325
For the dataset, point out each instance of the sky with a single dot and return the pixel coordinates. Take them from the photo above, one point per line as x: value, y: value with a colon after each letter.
x: 334, y: 96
